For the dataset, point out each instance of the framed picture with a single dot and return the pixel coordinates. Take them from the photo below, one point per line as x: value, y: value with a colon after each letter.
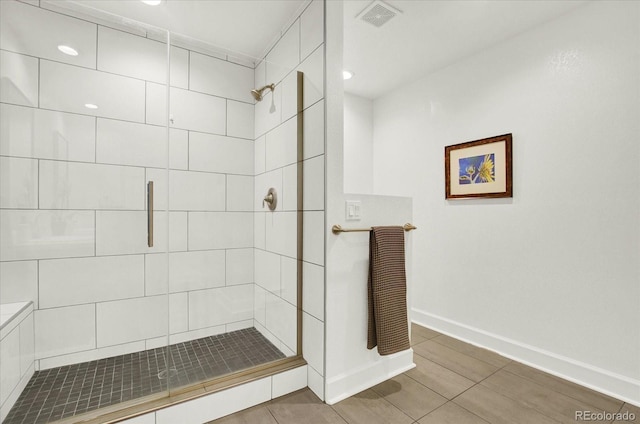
x: 480, y: 168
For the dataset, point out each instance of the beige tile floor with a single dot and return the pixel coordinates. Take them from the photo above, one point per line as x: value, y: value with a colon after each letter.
x: 453, y: 383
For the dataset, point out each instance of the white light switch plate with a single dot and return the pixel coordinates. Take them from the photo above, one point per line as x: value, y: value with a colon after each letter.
x: 353, y: 210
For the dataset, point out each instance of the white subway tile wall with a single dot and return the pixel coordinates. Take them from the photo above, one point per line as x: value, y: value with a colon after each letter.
x: 313, y: 293
x: 314, y: 230
x: 265, y: 118
x: 19, y: 83
x: 289, y: 381
x: 311, y: 32
x: 239, y: 266
x: 37, y: 32
x: 113, y: 320
x: 27, y: 344
x: 65, y: 330
x: 260, y: 155
x: 240, y: 119
x: 281, y: 320
x: 127, y: 54
x: 289, y: 279
x: 187, y: 271
x: 208, y: 308
x: 73, y: 193
x: 45, y: 134
x: 208, y: 152
x: 19, y: 281
x: 18, y: 183
x: 65, y: 282
x: 43, y: 234
x: 313, y: 342
x: 301, y: 48
x: 284, y: 57
x: 262, y: 184
x: 209, y: 408
x: 125, y: 232
x: 267, y: 268
x: 239, y: 193
x: 281, y: 233
x: 289, y: 196
x: 73, y: 187
x: 219, y: 230
x: 69, y: 88
x: 281, y: 145
x: 314, y: 184
x: 221, y: 78
x: 314, y: 130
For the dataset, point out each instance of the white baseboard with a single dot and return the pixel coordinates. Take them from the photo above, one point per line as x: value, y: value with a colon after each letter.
x: 348, y: 384
x: 612, y: 384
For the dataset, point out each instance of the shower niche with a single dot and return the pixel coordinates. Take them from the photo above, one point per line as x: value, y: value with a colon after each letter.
x: 112, y: 296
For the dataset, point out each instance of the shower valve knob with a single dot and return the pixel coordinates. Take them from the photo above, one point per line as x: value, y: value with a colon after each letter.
x: 270, y: 199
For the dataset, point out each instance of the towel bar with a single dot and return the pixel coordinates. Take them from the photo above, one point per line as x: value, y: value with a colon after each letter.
x: 337, y: 229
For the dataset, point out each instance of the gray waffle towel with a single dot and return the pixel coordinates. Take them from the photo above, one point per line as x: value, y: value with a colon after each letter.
x: 388, y: 327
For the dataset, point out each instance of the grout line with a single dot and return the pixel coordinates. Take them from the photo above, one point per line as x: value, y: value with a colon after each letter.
x: 144, y: 274
x: 38, y: 82
x: 95, y: 140
x: 38, y: 186
x: 95, y: 233
x: 300, y: 38
x: 15, y: 105
x: 271, y: 412
x: 37, y: 285
x: 97, y: 32
x: 435, y: 340
x: 187, y: 232
x: 104, y: 370
x: 225, y: 269
x: 146, y: 85
x: 127, y: 166
x: 95, y: 321
x: 136, y: 254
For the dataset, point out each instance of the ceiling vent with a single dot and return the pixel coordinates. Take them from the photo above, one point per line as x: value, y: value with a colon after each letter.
x: 378, y: 13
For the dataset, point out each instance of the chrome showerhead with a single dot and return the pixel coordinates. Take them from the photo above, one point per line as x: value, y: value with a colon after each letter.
x: 257, y: 93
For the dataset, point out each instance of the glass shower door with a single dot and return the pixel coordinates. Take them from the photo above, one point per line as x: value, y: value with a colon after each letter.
x: 83, y: 129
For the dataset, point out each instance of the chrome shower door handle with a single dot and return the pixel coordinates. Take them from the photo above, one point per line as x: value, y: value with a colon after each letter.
x: 150, y: 213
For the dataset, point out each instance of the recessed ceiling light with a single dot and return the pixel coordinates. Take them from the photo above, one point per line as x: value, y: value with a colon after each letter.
x: 68, y: 50
x: 347, y: 75
x: 90, y: 106
x: 152, y: 2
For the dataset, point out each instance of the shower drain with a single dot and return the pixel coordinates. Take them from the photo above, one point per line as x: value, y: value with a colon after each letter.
x: 162, y: 375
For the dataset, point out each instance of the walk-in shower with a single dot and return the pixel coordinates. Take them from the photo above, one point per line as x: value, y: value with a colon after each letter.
x: 115, y: 291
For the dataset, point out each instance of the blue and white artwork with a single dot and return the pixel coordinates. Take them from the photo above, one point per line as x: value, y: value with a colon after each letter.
x: 477, y: 169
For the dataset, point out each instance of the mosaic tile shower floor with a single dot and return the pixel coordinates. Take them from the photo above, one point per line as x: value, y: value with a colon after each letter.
x: 63, y: 392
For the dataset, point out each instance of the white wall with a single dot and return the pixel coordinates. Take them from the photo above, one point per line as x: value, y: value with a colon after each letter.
x: 358, y: 144
x: 550, y: 276
x: 350, y: 366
